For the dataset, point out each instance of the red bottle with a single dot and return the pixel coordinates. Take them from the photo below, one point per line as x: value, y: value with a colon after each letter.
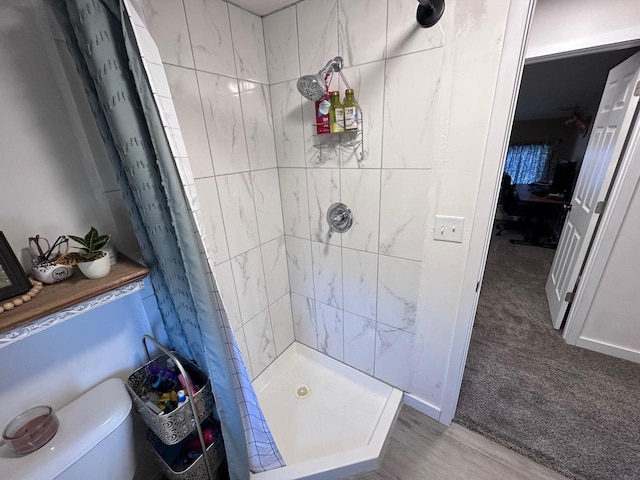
x: 322, y: 115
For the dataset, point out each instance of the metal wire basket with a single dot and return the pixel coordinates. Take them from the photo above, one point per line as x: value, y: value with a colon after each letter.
x: 198, y: 469
x: 172, y: 427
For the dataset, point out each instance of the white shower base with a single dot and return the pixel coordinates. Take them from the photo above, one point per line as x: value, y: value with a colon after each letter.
x: 337, y: 428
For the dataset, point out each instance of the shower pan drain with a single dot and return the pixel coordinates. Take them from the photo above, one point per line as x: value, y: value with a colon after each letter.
x: 302, y: 392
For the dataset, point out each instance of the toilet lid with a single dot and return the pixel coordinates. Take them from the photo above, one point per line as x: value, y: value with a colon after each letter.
x: 83, y: 424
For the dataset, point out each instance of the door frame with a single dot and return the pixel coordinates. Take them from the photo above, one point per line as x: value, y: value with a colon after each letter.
x: 512, y: 64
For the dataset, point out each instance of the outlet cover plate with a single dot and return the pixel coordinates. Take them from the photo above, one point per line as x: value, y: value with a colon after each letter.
x: 448, y: 229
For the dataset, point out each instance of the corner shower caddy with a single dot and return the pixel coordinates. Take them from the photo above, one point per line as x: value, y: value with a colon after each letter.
x: 351, y: 140
x: 174, y: 427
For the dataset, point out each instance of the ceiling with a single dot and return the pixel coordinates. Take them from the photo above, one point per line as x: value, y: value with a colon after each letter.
x: 547, y: 86
x: 263, y: 7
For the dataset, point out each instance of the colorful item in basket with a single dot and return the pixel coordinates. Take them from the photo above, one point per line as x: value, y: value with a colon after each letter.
x: 183, y: 383
x: 191, y: 448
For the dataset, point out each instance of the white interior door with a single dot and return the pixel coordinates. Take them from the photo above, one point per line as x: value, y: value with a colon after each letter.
x: 608, y: 136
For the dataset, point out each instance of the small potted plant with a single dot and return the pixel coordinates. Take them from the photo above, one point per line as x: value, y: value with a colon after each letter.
x: 91, y: 260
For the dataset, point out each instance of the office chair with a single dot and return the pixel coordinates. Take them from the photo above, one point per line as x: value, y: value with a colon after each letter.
x: 512, y: 207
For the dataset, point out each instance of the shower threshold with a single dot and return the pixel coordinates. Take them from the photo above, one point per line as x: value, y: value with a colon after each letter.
x: 328, y: 419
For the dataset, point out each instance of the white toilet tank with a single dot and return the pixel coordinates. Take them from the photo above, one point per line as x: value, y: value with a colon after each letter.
x: 94, y: 441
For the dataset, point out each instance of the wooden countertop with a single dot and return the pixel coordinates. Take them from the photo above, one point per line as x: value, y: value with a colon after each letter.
x: 71, y: 291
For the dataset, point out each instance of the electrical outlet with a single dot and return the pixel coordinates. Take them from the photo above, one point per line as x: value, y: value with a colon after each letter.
x: 448, y: 229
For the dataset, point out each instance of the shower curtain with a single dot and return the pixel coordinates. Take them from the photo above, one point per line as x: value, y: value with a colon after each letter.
x: 125, y: 83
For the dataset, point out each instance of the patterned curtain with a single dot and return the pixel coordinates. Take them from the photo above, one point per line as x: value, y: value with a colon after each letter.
x: 533, y: 162
x: 142, y: 137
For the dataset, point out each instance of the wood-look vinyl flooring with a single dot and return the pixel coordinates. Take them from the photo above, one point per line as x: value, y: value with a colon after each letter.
x: 419, y: 448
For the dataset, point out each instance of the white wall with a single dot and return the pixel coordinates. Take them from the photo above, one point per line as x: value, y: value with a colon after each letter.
x: 566, y: 25
x: 49, y: 187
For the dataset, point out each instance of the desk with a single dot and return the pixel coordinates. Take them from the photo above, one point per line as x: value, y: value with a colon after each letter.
x: 523, y: 193
x: 541, y: 208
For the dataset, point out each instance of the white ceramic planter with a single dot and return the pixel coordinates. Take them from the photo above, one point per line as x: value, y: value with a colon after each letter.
x: 96, y: 269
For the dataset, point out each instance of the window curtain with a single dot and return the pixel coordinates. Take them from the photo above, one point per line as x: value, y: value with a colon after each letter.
x: 531, y: 162
x: 126, y: 86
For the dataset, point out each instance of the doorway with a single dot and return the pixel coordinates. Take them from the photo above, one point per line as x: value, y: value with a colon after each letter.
x: 523, y: 386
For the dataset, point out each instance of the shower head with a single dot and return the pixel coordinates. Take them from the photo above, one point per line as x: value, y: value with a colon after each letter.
x: 313, y: 87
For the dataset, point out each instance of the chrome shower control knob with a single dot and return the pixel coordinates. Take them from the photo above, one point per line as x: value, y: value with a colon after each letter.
x: 339, y: 218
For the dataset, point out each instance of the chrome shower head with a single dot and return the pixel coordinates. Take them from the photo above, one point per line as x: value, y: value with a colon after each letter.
x: 313, y: 87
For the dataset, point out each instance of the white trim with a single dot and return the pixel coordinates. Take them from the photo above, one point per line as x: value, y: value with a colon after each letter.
x: 619, y: 197
x: 506, y: 95
x: 608, y: 349
x: 583, y: 51
x: 421, y: 405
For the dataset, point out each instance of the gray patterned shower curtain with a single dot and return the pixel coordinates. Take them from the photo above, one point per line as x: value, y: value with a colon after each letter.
x: 117, y: 60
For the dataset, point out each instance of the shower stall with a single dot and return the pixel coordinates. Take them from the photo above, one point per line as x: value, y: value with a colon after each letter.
x: 316, y: 241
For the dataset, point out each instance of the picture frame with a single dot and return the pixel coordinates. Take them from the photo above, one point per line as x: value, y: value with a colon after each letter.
x: 13, y: 280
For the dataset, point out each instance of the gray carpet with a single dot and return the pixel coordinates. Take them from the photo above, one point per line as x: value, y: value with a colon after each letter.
x: 573, y: 410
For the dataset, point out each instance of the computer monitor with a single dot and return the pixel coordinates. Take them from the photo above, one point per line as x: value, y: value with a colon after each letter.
x: 563, y: 179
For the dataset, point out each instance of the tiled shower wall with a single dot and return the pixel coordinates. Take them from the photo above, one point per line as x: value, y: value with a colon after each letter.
x: 214, y: 57
x: 354, y: 296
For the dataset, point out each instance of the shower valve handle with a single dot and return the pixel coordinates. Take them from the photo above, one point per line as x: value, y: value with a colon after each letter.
x: 339, y: 218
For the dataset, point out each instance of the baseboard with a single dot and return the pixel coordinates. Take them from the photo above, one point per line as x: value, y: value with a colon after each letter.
x: 422, y: 406
x: 608, y: 349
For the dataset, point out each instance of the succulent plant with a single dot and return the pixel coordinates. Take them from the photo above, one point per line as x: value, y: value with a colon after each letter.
x: 90, y: 248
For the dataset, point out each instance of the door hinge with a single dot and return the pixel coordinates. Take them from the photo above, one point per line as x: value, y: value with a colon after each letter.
x: 568, y: 297
x: 636, y: 92
x: 478, y: 286
x: 599, y: 207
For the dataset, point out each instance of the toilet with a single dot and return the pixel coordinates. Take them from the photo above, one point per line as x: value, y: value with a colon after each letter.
x: 94, y: 441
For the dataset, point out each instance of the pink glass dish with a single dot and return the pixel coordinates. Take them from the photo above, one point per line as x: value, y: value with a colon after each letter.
x: 31, y: 430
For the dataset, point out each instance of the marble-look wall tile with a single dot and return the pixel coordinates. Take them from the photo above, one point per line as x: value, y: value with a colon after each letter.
x: 266, y: 191
x: 362, y: 26
x: 227, y: 289
x: 223, y: 118
x: 405, y: 35
x: 327, y: 273
x: 210, y: 33
x: 359, y: 342
x: 368, y: 84
x: 403, y: 212
x: 317, y: 33
x: 282, y: 322
x: 248, y: 45
x: 167, y: 24
x: 248, y: 276
x: 238, y: 211
x: 244, y: 350
x: 207, y: 191
x: 300, y: 265
x: 274, y: 259
x: 295, y: 209
x: 329, y: 325
x: 287, y: 124
x: 393, y: 356
x: 324, y: 190
x: 259, y: 336
x: 304, y: 320
x: 398, y: 286
x: 360, y: 191
x: 281, y: 40
x: 258, y: 125
x: 359, y: 282
x: 411, y: 85
x: 186, y: 96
